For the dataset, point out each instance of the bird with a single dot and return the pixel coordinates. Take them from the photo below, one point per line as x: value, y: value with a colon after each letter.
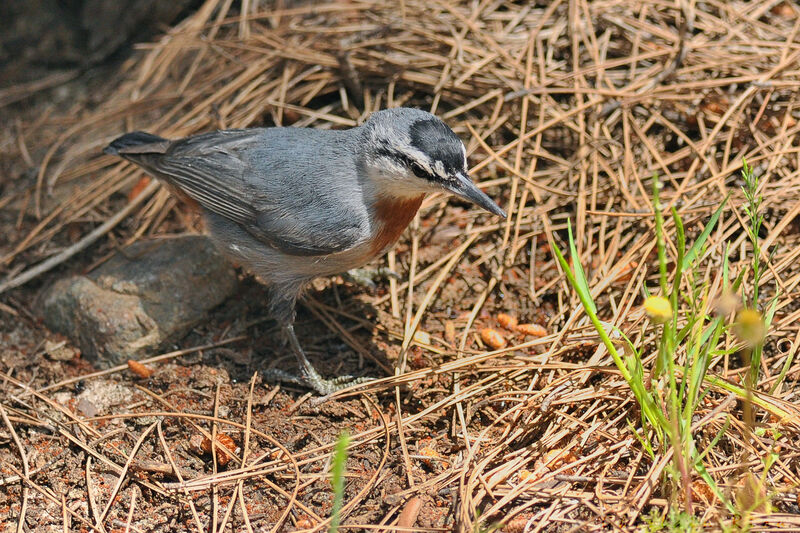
x: 293, y: 204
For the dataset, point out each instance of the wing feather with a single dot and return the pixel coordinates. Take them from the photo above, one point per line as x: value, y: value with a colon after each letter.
x: 214, y: 170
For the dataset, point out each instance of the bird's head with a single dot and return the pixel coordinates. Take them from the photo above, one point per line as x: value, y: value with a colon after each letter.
x: 409, y: 152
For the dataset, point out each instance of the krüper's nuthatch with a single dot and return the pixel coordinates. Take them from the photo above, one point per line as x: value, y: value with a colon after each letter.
x: 293, y: 204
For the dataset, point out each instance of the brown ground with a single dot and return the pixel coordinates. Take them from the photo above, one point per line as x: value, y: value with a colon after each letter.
x: 568, y: 109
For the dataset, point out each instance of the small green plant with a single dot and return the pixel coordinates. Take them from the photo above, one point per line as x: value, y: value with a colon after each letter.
x: 691, y: 330
x: 755, y: 219
x: 338, y: 463
x: 480, y: 527
x: 671, y: 520
x: 750, y: 329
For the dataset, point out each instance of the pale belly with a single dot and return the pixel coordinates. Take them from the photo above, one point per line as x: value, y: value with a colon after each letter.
x: 276, y: 267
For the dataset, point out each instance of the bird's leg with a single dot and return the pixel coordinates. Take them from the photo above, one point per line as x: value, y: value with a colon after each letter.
x: 367, y: 276
x: 282, y: 306
x: 311, y: 377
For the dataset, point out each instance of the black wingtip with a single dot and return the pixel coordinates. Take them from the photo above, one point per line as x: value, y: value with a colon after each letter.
x: 135, y: 138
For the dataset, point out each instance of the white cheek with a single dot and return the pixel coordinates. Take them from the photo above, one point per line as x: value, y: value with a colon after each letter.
x: 409, y: 184
x: 426, y: 186
x: 413, y: 187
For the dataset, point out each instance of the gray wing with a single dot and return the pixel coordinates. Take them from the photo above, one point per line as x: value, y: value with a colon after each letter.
x: 238, y: 174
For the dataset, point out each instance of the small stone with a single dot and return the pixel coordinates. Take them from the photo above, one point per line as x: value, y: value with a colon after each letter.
x: 148, y: 295
x: 422, y: 337
x: 100, y: 396
x: 60, y: 351
x: 87, y: 408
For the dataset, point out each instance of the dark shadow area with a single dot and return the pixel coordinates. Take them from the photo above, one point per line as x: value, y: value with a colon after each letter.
x: 46, y: 43
x: 246, y: 313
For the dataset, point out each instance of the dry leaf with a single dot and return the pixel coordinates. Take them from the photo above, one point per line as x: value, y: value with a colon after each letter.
x: 408, y: 516
x: 534, y: 330
x: 139, y: 369
x: 507, y: 321
x: 450, y: 332
x: 493, y: 338
x: 223, y: 441
x: 751, y: 494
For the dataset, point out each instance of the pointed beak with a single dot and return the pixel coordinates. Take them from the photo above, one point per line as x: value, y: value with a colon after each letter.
x: 464, y: 188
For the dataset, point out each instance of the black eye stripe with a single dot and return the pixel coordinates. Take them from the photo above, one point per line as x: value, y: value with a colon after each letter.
x: 406, y: 161
x: 419, y: 171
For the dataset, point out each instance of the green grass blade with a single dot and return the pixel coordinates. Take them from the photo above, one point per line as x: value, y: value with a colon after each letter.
x: 662, y: 253
x: 338, y: 464
x: 694, y: 251
x: 701, y: 469
x: 580, y: 276
x: 642, y: 395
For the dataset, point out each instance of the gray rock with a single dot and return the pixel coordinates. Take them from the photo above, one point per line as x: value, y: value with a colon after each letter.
x: 150, y: 294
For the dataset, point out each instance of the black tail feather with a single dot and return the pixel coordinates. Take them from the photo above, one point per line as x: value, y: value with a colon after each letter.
x: 135, y: 138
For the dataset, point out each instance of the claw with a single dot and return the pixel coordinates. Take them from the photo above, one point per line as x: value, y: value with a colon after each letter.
x: 326, y: 387
x: 323, y: 387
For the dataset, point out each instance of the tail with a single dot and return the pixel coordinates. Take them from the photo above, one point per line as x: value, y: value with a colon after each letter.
x: 137, y: 142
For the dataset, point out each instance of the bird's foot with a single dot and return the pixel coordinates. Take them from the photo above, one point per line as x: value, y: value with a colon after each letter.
x: 310, y: 377
x: 326, y: 387
x: 367, y: 276
x: 323, y: 387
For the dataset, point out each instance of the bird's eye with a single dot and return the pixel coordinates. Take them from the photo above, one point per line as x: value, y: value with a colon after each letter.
x: 418, y: 171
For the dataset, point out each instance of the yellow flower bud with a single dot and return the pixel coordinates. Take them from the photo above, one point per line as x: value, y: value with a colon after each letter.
x: 750, y: 327
x: 658, y: 309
